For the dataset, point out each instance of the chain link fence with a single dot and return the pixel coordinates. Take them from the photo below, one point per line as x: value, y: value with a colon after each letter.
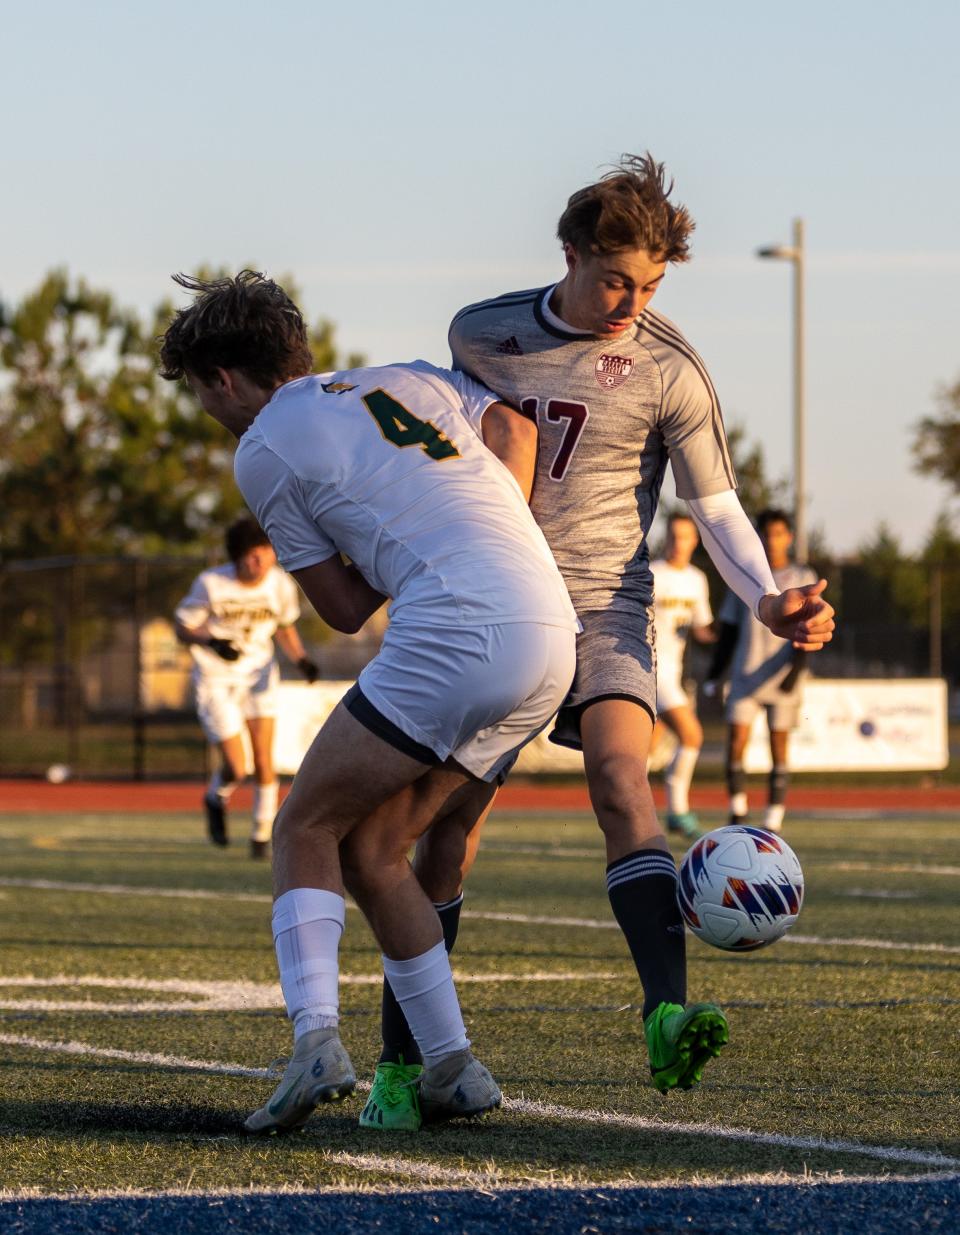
x: 92, y: 676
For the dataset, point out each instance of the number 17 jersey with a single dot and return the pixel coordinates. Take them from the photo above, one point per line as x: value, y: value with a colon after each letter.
x: 611, y: 413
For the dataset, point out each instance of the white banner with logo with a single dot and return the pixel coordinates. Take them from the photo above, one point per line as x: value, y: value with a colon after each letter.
x: 846, y: 725
x: 859, y: 725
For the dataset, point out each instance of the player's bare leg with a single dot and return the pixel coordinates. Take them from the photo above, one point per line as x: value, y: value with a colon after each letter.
x: 642, y: 887
x: 737, y: 736
x: 679, y: 773
x: 226, y: 779
x: 266, y: 791
x: 779, y: 780
x: 444, y: 855
x: 347, y: 774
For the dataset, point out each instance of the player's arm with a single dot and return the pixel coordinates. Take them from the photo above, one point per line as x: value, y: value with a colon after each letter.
x: 287, y: 638
x: 798, y: 614
x: 339, y: 593
x: 191, y: 624
x: 512, y: 437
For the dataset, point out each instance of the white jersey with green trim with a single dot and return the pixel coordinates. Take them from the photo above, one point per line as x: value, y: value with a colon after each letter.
x: 611, y: 414
x: 387, y: 467
x: 681, y: 601
x: 246, y: 614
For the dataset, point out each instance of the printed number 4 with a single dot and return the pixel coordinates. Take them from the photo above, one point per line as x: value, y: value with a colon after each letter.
x: 575, y: 414
x: 402, y: 428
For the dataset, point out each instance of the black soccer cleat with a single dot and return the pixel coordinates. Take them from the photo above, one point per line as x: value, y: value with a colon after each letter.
x: 259, y: 850
x: 216, y: 821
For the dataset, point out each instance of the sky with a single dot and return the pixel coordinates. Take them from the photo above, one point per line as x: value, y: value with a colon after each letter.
x: 400, y: 161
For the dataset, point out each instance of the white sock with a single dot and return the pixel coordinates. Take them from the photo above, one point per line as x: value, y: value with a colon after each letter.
x: 773, y: 816
x: 738, y: 804
x: 264, y: 810
x: 307, y: 925
x: 678, y: 778
x: 218, y: 788
x: 424, y: 989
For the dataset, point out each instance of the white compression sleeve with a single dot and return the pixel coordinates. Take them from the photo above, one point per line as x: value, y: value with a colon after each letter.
x: 734, y: 547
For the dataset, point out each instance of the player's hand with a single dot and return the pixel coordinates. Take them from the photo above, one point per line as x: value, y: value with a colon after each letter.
x: 224, y: 649
x: 309, y: 668
x: 801, y: 615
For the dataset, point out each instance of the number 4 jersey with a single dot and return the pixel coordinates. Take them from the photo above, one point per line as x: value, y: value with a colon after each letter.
x: 387, y: 467
x: 611, y: 413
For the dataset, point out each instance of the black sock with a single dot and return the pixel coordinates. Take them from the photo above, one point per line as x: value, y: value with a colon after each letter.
x: 779, y: 780
x: 643, y: 894
x: 399, y: 1044
x: 736, y: 778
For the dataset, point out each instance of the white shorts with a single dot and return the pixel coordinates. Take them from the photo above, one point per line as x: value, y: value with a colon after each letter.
x: 224, y: 705
x: 783, y: 710
x: 476, y: 693
x: 670, y: 692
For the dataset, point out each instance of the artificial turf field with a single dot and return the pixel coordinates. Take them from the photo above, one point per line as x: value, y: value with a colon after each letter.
x: 139, y: 1011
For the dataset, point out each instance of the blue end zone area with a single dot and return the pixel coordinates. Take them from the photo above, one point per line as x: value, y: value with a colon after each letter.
x: 875, y: 1207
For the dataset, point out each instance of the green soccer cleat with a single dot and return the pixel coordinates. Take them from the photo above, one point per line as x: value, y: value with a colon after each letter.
x: 682, y: 1041
x: 393, y: 1105
x: 686, y: 824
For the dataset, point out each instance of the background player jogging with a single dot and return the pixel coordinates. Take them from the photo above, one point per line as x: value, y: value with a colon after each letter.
x: 388, y: 468
x: 767, y: 674
x: 681, y: 611
x: 230, y: 619
x: 617, y: 392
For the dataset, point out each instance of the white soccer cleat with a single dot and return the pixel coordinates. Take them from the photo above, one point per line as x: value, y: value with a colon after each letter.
x: 459, y: 1087
x: 318, y: 1071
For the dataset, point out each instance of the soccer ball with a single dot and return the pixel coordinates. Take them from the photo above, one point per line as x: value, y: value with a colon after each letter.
x: 740, y: 888
x: 57, y: 773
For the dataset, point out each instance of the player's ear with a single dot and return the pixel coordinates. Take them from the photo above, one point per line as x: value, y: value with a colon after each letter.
x: 571, y: 255
x: 225, y: 380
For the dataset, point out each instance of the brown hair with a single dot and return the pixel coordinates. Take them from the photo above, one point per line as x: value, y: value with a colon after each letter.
x: 247, y: 323
x: 628, y: 208
x: 243, y: 535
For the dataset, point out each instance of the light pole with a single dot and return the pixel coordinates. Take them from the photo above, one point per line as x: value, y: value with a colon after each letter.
x: 794, y: 253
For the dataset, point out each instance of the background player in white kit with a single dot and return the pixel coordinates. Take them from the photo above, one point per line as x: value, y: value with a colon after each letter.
x: 617, y: 392
x: 767, y: 674
x: 230, y: 619
x: 387, y: 467
x: 681, y: 606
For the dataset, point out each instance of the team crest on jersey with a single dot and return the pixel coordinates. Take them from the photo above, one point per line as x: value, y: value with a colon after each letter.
x: 336, y: 388
x: 611, y: 370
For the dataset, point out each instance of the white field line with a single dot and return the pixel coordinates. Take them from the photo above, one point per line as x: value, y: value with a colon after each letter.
x: 899, y: 869
x: 224, y: 996
x: 527, y: 1183
x: 524, y: 1106
x: 525, y: 919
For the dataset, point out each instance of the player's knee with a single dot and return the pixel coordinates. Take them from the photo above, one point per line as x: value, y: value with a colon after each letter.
x: 618, y: 787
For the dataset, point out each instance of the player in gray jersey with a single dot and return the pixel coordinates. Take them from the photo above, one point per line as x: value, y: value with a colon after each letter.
x: 617, y: 392
x: 767, y: 673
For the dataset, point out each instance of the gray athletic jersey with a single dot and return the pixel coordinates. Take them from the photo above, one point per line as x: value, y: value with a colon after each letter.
x: 761, y: 658
x: 611, y: 413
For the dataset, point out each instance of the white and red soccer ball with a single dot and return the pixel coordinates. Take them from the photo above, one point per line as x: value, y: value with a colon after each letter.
x: 740, y: 888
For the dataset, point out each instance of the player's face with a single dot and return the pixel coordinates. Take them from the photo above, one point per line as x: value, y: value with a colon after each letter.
x: 681, y: 542
x: 603, y: 293
x: 253, y: 567
x: 777, y: 539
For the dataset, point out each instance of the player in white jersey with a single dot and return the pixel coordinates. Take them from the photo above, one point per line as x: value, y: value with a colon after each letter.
x: 681, y: 607
x: 230, y: 619
x: 388, y: 468
x: 767, y: 673
x: 617, y: 392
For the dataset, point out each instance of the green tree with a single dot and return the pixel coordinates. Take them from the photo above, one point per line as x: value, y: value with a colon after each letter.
x: 757, y: 490
x: 936, y: 446
x: 98, y: 455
